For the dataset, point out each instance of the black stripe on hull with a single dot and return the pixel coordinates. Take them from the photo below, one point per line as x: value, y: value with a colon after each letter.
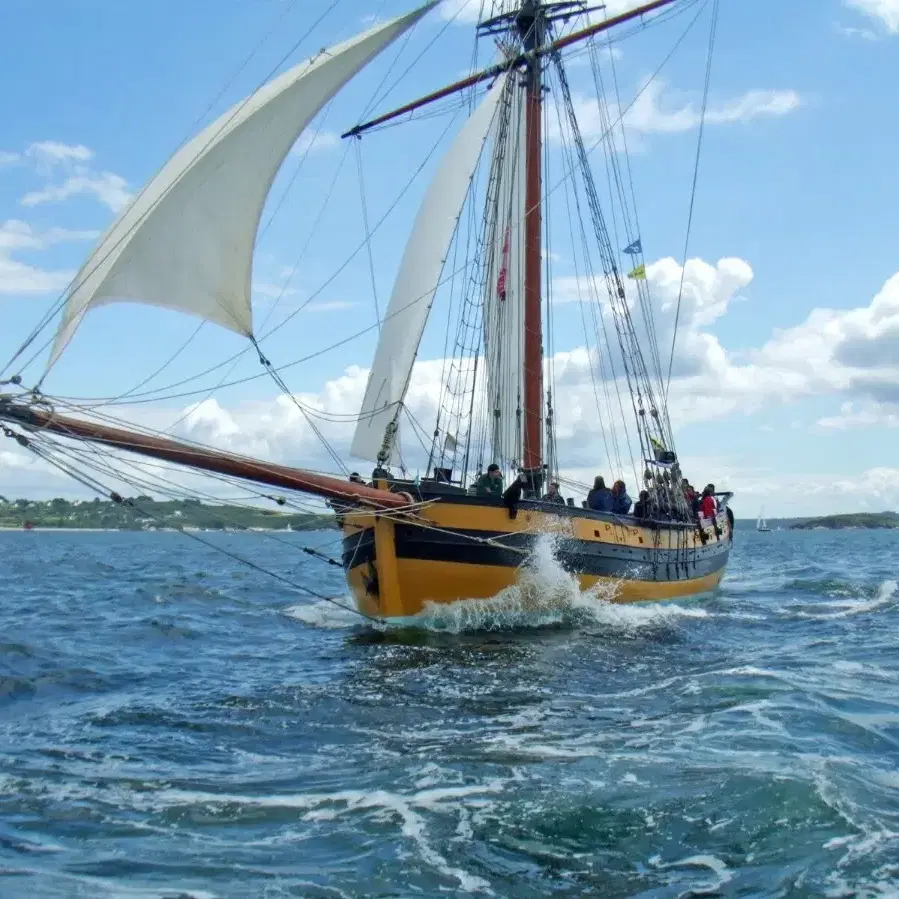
x: 588, y: 557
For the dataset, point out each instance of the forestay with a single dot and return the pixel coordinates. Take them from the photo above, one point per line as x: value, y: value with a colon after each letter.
x: 418, y: 279
x: 186, y: 242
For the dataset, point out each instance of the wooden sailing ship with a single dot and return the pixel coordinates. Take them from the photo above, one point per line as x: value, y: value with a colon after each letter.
x: 186, y: 243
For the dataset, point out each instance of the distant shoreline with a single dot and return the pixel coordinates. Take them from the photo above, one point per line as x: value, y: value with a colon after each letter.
x: 850, y: 522
x: 168, y: 530
x: 143, y: 513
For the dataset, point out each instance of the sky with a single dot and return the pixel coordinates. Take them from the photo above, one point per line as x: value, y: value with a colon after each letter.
x: 786, y: 366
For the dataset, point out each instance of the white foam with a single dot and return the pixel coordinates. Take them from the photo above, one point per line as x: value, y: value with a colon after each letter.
x: 546, y: 594
x: 407, y: 807
x: 521, y: 745
x: 885, y: 595
x: 709, y: 862
x: 335, y: 615
x: 101, y: 886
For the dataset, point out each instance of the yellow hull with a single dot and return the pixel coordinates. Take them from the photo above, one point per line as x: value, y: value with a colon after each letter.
x: 465, y: 548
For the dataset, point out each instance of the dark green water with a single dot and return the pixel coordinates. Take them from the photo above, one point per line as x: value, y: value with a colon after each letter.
x: 173, y: 724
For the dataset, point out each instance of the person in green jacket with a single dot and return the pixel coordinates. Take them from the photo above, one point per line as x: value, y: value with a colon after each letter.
x: 490, y: 484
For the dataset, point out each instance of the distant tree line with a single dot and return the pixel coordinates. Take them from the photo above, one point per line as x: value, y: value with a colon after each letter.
x: 147, y: 513
x: 852, y: 520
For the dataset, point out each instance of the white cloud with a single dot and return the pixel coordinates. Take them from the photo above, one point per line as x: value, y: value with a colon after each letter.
x: 849, y: 354
x: 862, y: 415
x: 659, y: 109
x: 315, y: 141
x: 331, y: 306
x: 886, y: 11
x: 52, y: 159
x: 17, y: 235
x: 17, y: 277
x: 466, y: 11
x: 272, y: 291
x: 864, y: 33
x: 110, y: 189
x: 20, y: 278
x: 47, y: 154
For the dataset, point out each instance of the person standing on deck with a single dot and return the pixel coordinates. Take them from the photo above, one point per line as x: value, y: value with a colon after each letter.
x: 708, y: 506
x: 621, y: 502
x: 690, y: 496
x: 491, y: 483
x: 599, y: 499
x: 641, y: 507
x: 553, y: 495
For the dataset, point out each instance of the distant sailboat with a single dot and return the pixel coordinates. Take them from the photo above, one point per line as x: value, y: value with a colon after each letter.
x: 761, y: 524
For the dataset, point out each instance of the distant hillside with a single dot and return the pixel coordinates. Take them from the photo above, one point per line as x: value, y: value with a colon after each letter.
x: 855, y: 520
x: 151, y: 514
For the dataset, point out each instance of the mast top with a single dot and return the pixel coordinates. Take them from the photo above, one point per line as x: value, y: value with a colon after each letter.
x: 549, y: 12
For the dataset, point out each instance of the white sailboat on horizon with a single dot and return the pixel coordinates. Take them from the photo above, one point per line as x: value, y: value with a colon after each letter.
x: 762, y: 524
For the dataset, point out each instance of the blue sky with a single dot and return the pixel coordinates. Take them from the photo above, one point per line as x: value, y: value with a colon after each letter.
x: 798, y: 181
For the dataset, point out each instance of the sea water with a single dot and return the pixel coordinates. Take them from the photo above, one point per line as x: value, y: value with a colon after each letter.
x: 175, y: 724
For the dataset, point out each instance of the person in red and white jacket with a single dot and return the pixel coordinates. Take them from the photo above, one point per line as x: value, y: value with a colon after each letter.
x: 708, y: 506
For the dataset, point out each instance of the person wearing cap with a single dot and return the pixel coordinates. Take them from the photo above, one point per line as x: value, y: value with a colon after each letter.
x: 491, y: 483
x: 553, y: 495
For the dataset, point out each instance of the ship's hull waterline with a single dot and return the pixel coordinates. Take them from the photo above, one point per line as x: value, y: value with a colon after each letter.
x: 462, y: 548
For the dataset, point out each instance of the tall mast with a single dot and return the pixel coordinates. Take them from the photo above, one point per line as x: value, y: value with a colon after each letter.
x: 531, y: 25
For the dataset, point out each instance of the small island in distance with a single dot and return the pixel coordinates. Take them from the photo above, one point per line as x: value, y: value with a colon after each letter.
x: 868, y: 520
x: 149, y: 514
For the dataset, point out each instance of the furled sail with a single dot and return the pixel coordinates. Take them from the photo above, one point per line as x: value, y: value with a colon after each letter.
x: 186, y: 242
x: 418, y: 278
x: 504, y: 285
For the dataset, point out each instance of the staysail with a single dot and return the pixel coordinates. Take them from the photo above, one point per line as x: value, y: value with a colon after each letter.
x: 186, y: 242
x: 504, y: 286
x: 418, y: 278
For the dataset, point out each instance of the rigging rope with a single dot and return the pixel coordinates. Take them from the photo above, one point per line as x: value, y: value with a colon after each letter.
x: 289, y: 394
x: 371, y: 258
x: 705, y: 100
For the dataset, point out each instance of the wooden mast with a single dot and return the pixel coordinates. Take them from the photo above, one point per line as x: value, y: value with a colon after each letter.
x: 531, y: 25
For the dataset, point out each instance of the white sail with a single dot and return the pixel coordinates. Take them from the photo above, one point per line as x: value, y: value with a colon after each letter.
x: 186, y: 242
x: 418, y: 278
x: 504, y: 287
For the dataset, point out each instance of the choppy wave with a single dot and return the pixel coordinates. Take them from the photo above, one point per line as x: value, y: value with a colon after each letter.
x: 170, y: 726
